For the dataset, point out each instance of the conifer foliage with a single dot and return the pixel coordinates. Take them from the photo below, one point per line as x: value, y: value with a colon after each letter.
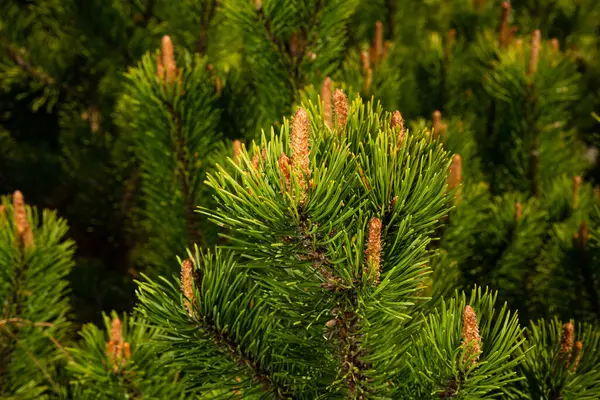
x: 35, y: 258
x: 313, y: 299
x: 368, y: 199
x: 120, y: 362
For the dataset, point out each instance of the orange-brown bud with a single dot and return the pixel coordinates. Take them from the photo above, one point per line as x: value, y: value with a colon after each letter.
x: 374, y: 250
x: 455, y: 176
x: 470, y: 336
x: 576, y: 190
x: 340, y: 103
x: 237, y: 150
x: 398, y: 124
x: 378, y: 42
x: 126, y: 350
x: 566, y: 341
x: 24, y: 230
x: 518, y: 211
x: 326, y: 99
x: 187, y: 283
x: 439, y: 127
x: 116, y: 331
x: 300, y: 145
x: 504, y: 27
x: 555, y: 45
x: 168, y: 59
x: 284, y: 168
x: 534, y: 57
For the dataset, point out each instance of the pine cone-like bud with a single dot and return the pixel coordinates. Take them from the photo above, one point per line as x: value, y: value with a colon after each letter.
x: 114, y: 346
x: 374, y: 250
x: 187, y: 286
x: 340, y: 102
x: 576, y: 190
x: 470, y: 336
x: 534, y: 57
x: 439, y: 127
x: 398, y: 123
x: 326, y: 99
x: 256, y: 158
x: 455, y: 176
x: 168, y: 59
x: 284, y: 168
x: 566, y: 342
x: 378, y: 42
x: 555, y: 45
x: 23, y: 228
x: 300, y: 144
x: 518, y: 211
x: 237, y: 150
x: 504, y: 27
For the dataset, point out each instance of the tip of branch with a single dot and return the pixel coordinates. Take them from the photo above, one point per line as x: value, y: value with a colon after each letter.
x: 439, y: 127
x: 398, y: 122
x: 373, y: 251
x: 455, y: 177
x: 187, y: 280
x: 237, y: 150
x: 340, y: 102
x: 536, y: 37
x: 566, y: 342
x: 576, y: 190
x: 470, y: 336
x: 284, y: 169
x: 168, y: 59
x: 504, y: 27
x: 300, y: 141
x: 518, y: 211
x: 326, y: 99
x: 24, y: 230
x: 378, y: 42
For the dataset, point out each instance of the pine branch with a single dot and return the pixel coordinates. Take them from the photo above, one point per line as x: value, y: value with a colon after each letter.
x: 184, y: 168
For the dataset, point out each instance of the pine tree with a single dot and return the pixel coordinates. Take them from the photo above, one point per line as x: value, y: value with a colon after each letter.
x: 172, y: 117
x: 315, y: 295
x: 35, y: 258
